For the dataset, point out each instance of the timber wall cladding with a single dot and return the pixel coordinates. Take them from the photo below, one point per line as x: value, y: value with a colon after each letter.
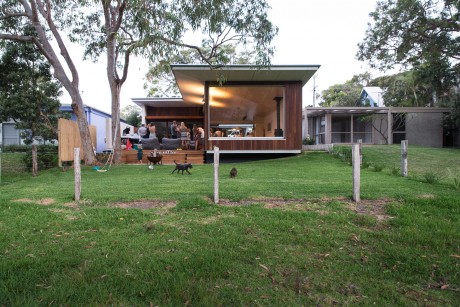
x: 69, y: 138
x: 174, y: 113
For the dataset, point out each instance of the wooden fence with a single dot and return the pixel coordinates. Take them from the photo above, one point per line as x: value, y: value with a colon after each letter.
x: 69, y: 138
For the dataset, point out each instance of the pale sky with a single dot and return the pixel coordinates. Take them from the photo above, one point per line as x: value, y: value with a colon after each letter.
x: 324, y: 32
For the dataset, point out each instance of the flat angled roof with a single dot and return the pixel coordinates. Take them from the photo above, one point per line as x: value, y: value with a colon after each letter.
x: 190, y: 78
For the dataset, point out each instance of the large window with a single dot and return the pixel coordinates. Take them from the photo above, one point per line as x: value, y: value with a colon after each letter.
x: 350, y: 128
x: 247, y: 111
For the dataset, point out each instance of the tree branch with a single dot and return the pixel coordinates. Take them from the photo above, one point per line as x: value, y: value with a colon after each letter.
x: 13, y: 15
x: 65, y: 54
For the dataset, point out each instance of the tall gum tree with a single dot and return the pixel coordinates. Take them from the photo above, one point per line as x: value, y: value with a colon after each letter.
x: 156, y: 30
x: 45, y: 17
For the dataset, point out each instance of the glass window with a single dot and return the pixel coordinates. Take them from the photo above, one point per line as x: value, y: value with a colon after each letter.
x: 242, y: 111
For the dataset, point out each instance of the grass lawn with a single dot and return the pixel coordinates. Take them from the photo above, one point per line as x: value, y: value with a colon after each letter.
x: 286, y: 233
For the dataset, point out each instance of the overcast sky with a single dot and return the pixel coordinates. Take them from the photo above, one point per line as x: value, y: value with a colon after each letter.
x: 324, y: 32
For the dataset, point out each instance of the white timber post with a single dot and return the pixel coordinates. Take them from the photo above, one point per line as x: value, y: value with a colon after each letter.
x: 77, y: 170
x: 404, y: 145
x: 356, y: 173
x: 360, y: 143
x: 216, y: 175
x: 0, y: 165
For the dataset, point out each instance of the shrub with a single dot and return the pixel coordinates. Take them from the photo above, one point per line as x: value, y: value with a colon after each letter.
x: 455, y: 178
x: 47, y: 156
x: 378, y: 167
x: 431, y: 177
x: 395, y: 170
x: 342, y: 153
x: 17, y: 148
x: 365, y: 164
x: 308, y: 141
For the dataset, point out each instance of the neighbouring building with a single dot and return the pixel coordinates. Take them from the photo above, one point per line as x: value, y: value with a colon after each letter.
x: 9, y: 135
x: 378, y: 125
x: 372, y: 96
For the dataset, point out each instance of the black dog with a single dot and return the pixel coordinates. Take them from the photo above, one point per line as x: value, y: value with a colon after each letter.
x: 233, y: 173
x: 182, y: 167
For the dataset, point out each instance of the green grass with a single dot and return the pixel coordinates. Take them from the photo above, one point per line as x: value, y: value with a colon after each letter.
x: 295, y: 238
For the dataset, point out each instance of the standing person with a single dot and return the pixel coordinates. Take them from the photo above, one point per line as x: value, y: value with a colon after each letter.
x: 199, y: 138
x: 139, y: 153
x: 193, y: 132
x: 172, y: 129
x: 152, y: 131
x: 184, y: 135
x: 142, y: 131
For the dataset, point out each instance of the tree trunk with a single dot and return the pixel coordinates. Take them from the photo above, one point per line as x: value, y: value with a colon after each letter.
x: 85, y: 136
x: 116, y: 133
x: 34, y: 161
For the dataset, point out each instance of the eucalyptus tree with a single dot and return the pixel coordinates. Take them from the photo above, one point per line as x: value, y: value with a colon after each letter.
x: 123, y: 28
x: 418, y: 34
x: 157, y: 30
x: 46, y: 18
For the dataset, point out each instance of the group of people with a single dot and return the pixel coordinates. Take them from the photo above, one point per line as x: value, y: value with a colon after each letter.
x: 148, y: 132
x: 190, y: 137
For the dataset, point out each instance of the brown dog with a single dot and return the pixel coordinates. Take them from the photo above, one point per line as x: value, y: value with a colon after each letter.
x: 233, y: 173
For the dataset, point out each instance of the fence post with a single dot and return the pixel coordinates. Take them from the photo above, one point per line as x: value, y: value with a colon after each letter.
x: 34, y: 161
x: 356, y: 173
x: 360, y: 143
x: 404, y: 145
x: 0, y: 165
x: 216, y: 175
x: 77, y: 170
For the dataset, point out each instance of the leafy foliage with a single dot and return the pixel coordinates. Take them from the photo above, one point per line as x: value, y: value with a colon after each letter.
x: 161, y: 82
x: 131, y: 114
x: 28, y: 92
x: 421, y: 35
x: 346, y: 94
x: 47, y: 157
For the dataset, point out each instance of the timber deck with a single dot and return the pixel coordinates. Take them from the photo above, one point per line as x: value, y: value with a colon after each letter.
x: 181, y: 156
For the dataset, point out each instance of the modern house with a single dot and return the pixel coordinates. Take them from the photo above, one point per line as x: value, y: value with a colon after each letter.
x: 378, y: 125
x: 256, y: 110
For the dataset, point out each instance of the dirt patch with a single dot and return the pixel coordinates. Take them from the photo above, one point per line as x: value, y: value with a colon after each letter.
x: 374, y: 207
x: 426, y: 196
x: 146, y: 204
x: 43, y: 202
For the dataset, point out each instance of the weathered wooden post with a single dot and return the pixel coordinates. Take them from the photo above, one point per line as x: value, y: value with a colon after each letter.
x: 356, y: 173
x: 34, y: 161
x: 216, y: 175
x: 0, y: 165
x: 404, y: 144
x: 77, y: 170
x: 360, y: 143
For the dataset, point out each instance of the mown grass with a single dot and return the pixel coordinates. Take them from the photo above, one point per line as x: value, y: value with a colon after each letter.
x: 294, y: 238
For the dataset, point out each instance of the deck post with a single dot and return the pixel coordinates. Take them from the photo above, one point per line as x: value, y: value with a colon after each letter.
x: 216, y: 175
x: 404, y: 144
x: 356, y: 173
x: 77, y: 170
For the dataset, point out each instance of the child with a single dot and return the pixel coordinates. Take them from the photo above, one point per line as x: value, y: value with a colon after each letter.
x: 139, y: 153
